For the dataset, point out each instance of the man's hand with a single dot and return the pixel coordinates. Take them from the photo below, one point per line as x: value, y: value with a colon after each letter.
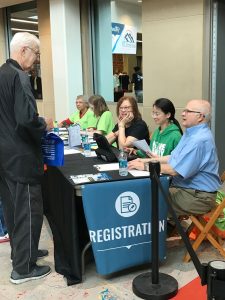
x: 137, y: 164
x: 49, y: 123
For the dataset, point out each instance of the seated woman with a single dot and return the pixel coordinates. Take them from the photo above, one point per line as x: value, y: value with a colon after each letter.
x: 166, y: 137
x: 104, y: 117
x: 130, y: 126
x: 83, y: 116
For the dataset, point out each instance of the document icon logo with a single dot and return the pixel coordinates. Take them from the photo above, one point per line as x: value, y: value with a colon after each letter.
x: 127, y: 204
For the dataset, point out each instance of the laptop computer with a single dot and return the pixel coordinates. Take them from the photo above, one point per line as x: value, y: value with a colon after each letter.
x: 106, y: 151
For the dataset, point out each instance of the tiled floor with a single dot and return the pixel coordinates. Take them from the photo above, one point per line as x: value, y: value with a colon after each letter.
x: 119, y: 287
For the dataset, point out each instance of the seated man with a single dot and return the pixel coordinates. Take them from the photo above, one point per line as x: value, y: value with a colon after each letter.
x: 193, y: 163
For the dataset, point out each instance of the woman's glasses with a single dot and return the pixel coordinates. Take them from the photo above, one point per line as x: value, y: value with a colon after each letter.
x: 124, y: 107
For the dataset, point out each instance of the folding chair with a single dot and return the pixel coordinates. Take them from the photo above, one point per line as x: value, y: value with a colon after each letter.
x: 205, y: 228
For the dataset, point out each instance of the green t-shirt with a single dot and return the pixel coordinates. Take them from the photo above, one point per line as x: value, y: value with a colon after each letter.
x: 163, y: 143
x: 220, y: 222
x: 86, y: 121
x: 105, y: 123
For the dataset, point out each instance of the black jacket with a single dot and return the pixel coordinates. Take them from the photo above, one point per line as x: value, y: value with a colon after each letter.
x: 21, y: 128
x: 137, y: 79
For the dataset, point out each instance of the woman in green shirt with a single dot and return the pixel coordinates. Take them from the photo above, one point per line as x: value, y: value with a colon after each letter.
x: 83, y: 116
x: 166, y: 137
x: 104, y: 117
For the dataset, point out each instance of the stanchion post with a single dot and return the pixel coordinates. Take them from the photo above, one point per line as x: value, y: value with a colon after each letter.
x: 155, y: 285
x: 154, y: 169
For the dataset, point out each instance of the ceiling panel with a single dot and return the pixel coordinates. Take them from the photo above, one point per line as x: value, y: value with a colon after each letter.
x: 4, y: 3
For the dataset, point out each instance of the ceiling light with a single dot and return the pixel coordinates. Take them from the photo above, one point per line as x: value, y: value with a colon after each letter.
x: 33, y: 17
x: 24, y: 21
x: 139, y: 1
x: 26, y: 30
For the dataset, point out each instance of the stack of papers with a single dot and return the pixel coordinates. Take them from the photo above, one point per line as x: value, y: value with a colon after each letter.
x: 142, y: 145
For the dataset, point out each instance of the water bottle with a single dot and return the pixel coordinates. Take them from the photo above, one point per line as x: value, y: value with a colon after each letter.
x: 123, y: 166
x: 55, y: 128
x: 83, y: 137
x: 86, y: 145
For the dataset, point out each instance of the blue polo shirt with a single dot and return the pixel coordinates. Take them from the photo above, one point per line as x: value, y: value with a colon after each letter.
x: 195, y: 160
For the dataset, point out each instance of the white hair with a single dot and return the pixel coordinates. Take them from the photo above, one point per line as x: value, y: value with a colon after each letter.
x: 23, y: 39
x: 206, y: 109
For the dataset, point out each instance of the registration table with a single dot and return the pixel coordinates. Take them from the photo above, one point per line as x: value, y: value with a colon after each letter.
x: 114, y: 215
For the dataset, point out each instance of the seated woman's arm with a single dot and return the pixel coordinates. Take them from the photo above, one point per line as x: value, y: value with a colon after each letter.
x: 112, y: 136
x: 65, y: 123
x: 124, y: 141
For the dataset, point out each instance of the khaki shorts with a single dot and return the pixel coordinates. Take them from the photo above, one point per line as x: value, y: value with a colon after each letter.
x: 191, y: 202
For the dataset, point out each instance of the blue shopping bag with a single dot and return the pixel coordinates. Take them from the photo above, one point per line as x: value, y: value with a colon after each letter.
x: 53, y: 150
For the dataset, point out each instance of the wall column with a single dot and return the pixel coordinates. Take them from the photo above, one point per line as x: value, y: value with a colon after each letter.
x: 46, y: 107
x: 2, y: 39
x: 66, y: 55
x: 103, y: 49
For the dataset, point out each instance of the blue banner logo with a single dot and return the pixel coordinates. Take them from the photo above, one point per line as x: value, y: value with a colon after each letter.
x: 124, y: 39
x: 127, y: 204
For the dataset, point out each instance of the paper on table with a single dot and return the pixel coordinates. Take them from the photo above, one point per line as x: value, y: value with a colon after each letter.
x: 92, y: 154
x: 138, y: 173
x: 142, y: 145
x: 107, y: 167
x: 77, y: 179
x: 70, y: 151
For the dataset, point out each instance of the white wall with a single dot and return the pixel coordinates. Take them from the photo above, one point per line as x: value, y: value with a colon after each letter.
x: 172, y: 52
x: 125, y: 13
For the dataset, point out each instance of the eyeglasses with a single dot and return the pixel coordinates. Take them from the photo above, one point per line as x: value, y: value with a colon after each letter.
x: 155, y: 114
x: 37, y: 53
x: 187, y: 111
x: 124, y: 107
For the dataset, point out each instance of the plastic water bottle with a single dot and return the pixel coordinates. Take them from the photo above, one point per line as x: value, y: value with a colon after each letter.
x: 83, y: 136
x: 86, y: 145
x: 123, y: 166
x: 56, y: 128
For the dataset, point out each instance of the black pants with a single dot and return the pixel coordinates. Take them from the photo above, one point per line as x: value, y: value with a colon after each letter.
x: 23, y: 211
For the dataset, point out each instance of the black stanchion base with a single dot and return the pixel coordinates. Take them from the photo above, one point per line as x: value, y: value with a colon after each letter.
x: 145, y: 289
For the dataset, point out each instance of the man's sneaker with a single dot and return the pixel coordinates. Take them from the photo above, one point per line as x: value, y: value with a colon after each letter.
x: 37, y: 273
x: 42, y: 253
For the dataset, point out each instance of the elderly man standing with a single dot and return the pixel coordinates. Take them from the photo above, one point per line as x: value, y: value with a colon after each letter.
x: 193, y: 163
x: 21, y: 163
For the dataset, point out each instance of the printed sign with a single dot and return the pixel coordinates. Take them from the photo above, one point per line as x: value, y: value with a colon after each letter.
x: 118, y: 216
x: 124, y: 39
x: 74, y: 135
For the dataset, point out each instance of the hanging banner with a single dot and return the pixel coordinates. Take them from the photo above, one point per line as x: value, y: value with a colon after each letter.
x: 124, y: 39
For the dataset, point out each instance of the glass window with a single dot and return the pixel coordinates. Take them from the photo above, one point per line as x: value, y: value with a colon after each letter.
x: 114, y: 73
x: 126, y: 19
x: 24, y: 17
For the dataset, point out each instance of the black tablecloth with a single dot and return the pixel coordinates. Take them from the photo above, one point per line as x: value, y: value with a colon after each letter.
x: 65, y: 215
